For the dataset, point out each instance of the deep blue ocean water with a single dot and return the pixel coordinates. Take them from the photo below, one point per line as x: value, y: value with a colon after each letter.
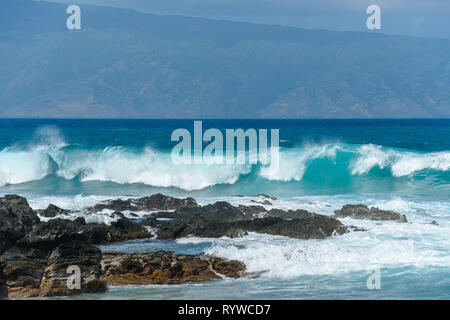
x: 402, y: 165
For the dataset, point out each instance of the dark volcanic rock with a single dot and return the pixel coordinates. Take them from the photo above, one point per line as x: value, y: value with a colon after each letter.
x: 252, y: 210
x: 290, y: 214
x: 51, y: 211
x: 50, y: 234
x: 23, y: 268
x: 37, y: 264
x: 300, y: 224
x: 62, y: 231
x: 55, y: 276
x: 31, y: 272
x: 124, y: 229
x: 264, y: 202
x: 3, y: 287
x: 37, y: 254
x: 267, y: 196
x: 222, y: 211
x: 152, y: 203
x: 311, y: 226
x: 16, y: 219
x: 165, y: 267
x: 199, y: 226
x: 211, y: 221
x: 360, y: 211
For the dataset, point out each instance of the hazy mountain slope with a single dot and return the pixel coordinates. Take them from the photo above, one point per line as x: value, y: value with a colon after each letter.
x: 129, y: 64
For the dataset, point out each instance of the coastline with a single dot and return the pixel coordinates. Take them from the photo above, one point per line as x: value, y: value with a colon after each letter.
x: 34, y: 262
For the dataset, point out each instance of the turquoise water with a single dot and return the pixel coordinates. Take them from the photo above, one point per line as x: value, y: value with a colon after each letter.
x: 402, y: 165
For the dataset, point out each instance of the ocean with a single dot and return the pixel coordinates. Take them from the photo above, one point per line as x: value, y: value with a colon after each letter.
x: 400, y: 165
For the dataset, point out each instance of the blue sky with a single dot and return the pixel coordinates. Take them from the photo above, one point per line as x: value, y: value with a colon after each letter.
x: 408, y: 17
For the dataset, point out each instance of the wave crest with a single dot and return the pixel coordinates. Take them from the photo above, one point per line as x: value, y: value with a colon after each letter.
x: 51, y: 155
x: 401, y: 163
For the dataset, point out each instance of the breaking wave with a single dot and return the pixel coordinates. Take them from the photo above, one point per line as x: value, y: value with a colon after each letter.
x: 50, y: 155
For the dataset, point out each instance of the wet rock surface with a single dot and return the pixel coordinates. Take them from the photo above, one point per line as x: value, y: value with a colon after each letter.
x: 308, y: 227
x: 63, y: 231
x: 32, y: 272
x: 3, y: 287
x: 87, y: 258
x: 51, y: 211
x: 360, y: 211
x: 34, y: 255
x: 152, y: 203
x: 23, y: 268
x: 16, y: 219
x: 252, y: 210
x: 222, y: 219
x: 165, y: 267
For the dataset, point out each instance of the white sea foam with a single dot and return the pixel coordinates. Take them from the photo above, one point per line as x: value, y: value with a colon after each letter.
x: 369, y: 157
x: 22, y: 166
x: 49, y: 154
x: 150, y: 167
x: 385, y: 244
x: 401, y: 163
x: 293, y: 163
x: 357, y: 251
x: 79, y: 203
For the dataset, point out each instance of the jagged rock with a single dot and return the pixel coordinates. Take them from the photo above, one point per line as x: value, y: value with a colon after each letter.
x: 38, y: 254
x: 223, y: 219
x: 124, y: 229
x: 152, y: 203
x: 3, y: 287
x: 36, y: 265
x: 252, y: 210
x: 304, y: 226
x: 185, y: 213
x: 220, y: 211
x: 290, y: 214
x: 119, y: 214
x: 262, y: 195
x: 55, y: 276
x: 360, y: 211
x: 51, y: 211
x: 357, y: 229
x: 265, y: 202
x: 310, y: 226
x: 23, y: 268
x: 211, y: 221
x: 32, y: 272
x: 165, y: 267
x: 16, y: 219
x: 62, y: 231
x: 198, y: 225
x: 50, y: 234
x: 235, y: 233
x: 228, y: 268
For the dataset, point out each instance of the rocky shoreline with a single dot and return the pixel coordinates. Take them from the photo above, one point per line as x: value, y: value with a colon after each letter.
x: 38, y: 246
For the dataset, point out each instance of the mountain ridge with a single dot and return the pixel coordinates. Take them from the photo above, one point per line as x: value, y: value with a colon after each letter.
x: 128, y: 64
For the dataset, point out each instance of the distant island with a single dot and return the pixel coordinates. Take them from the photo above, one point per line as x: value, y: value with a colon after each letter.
x: 127, y: 64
